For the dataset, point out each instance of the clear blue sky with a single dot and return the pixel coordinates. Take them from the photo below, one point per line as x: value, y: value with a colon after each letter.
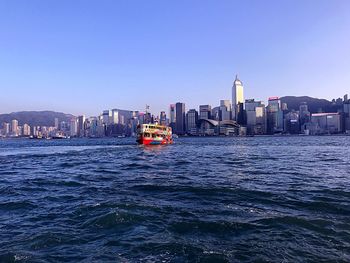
x: 82, y: 57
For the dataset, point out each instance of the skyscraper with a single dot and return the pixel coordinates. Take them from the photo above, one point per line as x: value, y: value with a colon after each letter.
x: 107, y: 117
x: 191, y: 121
x: 14, y: 127
x: 162, y: 118
x: 237, y: 96
x: 346, y: 110
x: 204, y: 111
x: 180, y: 118
x: 226, y: 103
x: 73, y: 127
x: 225, y: 110
x: 274, y: 115
x: 26, y: 130
x: 304, y: 114
x: 256, y: 117
x: 115, y: 116
x: 81, y: 126
x: 172, y: 116
x: 56, y: 123
x: 6, y: 128
x: 216, y: 114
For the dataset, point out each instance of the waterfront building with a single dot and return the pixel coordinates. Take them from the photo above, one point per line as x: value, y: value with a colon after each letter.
x: 14, y: 128
x: 107, y: 117
x: 6, y: 128
x: 180, y: 126
x: 134, y: 121
x: 56, y: 123
x: 346, y: 110
x: 237, y: 96
x: 205, y: 112
x: 274, y: 115
x: 241, y: 114
x: 291, y: 122
x: 81, y: 126
x: 26, y: 130
x: 260, y: 125
x: 256, y: 117
x: 19, y: 130
x: 35, y: 131
x: 324, y: 123
x: 64, y: 127
x: 73, y: 127
x: 123, y: 116
x: 208, y: 127
x: 192, y: 122
x: 115, y: 116
x: 94, y: 127
x: 304, y: 113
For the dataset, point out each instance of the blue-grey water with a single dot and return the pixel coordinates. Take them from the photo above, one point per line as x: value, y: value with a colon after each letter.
x: 259, y: 199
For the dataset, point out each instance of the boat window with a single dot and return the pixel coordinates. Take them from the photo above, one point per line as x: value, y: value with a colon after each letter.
x: 146, y: 134
x: 154, y: 135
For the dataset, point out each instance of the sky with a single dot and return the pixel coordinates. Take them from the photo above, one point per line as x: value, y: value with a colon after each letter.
x: 83, y: 57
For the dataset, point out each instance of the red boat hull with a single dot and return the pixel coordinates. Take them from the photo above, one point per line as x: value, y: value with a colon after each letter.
x: 151, y: 141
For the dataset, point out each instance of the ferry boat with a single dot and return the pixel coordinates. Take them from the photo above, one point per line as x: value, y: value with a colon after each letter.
x: 154, y: 134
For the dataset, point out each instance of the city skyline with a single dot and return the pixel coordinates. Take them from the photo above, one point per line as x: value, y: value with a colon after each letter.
x: 83, y: 58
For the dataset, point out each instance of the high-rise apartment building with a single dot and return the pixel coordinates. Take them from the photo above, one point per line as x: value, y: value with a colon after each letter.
x: 26, y: 130
x: 6, y: 128
x: 14, y: 128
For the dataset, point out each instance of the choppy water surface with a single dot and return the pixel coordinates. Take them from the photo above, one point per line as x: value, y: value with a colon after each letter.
x: 276, y: 199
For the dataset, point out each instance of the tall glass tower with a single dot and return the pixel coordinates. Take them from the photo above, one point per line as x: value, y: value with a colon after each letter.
x: 237, y: 96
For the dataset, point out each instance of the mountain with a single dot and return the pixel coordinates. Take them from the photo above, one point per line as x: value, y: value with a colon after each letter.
x: 36, y: 118
x: 315, y: 105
